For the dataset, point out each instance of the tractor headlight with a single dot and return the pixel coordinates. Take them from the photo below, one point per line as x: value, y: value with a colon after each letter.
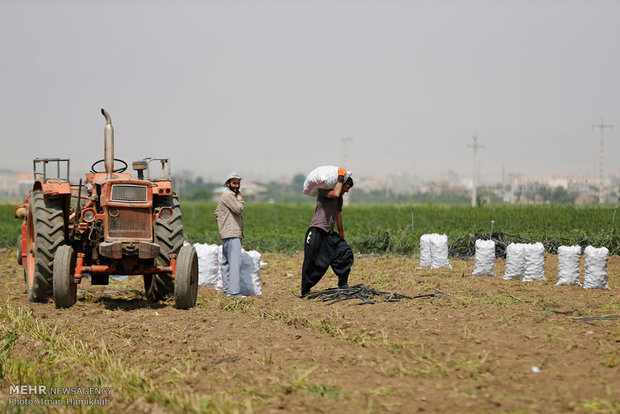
x: 165, y: 213
x: 88, y: 215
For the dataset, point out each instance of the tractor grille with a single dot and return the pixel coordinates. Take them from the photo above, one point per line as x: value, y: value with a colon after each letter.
x: 130, y: 223
x: 128, y: 193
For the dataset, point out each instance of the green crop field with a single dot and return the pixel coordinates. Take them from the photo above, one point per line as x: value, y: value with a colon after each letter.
x: 387, y: 229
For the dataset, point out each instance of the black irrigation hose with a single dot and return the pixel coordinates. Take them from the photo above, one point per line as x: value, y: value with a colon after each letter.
x: 221, y: 361
x: 587, y: 320
x: 365, y: 294
x: 599, y: 318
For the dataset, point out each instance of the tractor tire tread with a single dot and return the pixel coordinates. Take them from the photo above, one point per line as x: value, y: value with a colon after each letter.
x: 49, y: 233
x: 169, y: 236
x: 186, y: 280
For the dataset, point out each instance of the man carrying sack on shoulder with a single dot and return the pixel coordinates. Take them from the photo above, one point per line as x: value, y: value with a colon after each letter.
x: 323, y: 247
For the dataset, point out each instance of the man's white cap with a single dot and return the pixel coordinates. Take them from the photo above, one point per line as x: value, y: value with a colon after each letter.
x: 231, y: 176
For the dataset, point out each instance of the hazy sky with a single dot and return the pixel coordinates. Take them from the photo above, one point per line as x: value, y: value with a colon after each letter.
x: 270, y: 88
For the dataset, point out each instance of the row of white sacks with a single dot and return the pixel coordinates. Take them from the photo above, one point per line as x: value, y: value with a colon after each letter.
x: 209, y: 272
x: 524, y: 261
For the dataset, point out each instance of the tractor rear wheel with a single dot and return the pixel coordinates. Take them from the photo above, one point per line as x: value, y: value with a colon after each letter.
x: 46, y: 232
x: 186, y: 278
x: 169, y: 236
x: 65, y: 290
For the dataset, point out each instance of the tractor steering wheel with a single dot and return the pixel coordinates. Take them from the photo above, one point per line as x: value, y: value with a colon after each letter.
x: 118, y: 170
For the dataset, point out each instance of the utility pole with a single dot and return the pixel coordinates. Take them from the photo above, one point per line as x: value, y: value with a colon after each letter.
x: 602, y: 126
x: 474, y: 176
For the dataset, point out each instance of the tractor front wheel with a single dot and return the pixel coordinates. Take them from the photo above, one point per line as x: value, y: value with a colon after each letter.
x: 65, y: 290
x: 19, y: 250
x: 186, y: 278
x: 148, y: 280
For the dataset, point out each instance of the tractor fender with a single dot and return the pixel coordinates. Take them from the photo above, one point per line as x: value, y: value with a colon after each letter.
x: 53, y: 188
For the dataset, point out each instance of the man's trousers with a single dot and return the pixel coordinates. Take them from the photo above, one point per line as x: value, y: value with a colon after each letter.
x: 321, y: 250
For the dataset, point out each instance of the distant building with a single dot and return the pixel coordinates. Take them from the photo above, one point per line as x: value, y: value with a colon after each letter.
x: 14, y: 186
x: 389, y: 184
x: 249, y: 189
x: 527, y: 189
x: 448, y: 183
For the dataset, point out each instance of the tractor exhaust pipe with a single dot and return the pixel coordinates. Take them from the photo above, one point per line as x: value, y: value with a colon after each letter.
x: 108, y: 137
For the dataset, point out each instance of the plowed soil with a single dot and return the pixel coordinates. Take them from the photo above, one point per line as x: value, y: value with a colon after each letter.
x: 480, y: 344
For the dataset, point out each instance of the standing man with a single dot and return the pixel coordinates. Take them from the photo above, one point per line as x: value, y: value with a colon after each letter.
x: 230, y: 225
x: 323, y: 247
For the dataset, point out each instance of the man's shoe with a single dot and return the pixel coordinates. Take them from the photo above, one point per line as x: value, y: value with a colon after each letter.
x: 343, y: 286
x: 239, y: 295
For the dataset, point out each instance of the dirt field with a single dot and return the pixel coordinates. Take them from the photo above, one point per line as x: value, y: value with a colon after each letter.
x: 485, y: 345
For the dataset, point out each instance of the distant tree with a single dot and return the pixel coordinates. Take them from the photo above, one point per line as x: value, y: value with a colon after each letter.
x: 544, y: 193
x: 559, y: 195
x: 202, y: 194
x: 298, y: 182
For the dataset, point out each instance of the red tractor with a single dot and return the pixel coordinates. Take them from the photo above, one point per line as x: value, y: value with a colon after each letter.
x: 113, y: 224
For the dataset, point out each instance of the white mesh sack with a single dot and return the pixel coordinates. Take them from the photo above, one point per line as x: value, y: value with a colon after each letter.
x: 595, y: 275
x: 250, y: 273
x: 534, y: 262
x: 425, y: 250
x: 568, y: 265
x: 439, y: 251
x: 514, y: 261
x: 485, y: 257
x: 208, y: 263
x: 323, y: 178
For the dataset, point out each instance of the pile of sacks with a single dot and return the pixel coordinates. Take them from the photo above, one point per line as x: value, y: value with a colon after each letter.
x: 595, y: 267
x: 526, y: 262
x: 209, y: 273
x: 434, y: 251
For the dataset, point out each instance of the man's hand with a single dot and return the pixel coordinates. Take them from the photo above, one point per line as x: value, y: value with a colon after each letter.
x: 341, y: 173
x: 341, y: 234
